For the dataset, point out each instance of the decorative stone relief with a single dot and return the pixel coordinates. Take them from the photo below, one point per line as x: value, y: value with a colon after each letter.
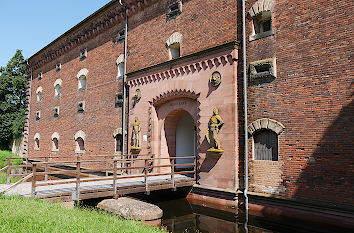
x: 214, y: 126
x: 215, y: 79
x: 136, y: 135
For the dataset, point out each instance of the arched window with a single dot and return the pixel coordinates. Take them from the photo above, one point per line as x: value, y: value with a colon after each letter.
x: 57, y: 88
x: 118, y: 139
x: 82, y: 79
x: 120, y: 66
x: 119, y: 143
x: 39, y: 94
x: 80, y: 137
x: 55, y: 142
x: 36, y: 141
x: 80, y: 144
x: 265, y: 133
x: 261, y: 15
x: 174, y: 45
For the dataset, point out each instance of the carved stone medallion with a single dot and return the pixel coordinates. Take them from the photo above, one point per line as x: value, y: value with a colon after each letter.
x: 137, y: 94
x: 215, y: 79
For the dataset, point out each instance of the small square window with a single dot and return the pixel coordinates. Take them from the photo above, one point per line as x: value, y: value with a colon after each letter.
x: 83, y: 54
x: 121, y: 36
x: 56, y: 112
x: 58, y: 66
x: 38, y: 116
x: 40, y: 75
x: 174, y: 9
x: 263, y: 70
x: 261, y: 25
x: 119, y: 100
x: 81, y: 107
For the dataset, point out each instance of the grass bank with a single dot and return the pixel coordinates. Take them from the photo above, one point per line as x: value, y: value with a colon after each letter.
x: 4, y: 154
x: 19, y: 214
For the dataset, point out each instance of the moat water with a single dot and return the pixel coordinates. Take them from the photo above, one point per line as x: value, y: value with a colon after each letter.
x: 179, y: 216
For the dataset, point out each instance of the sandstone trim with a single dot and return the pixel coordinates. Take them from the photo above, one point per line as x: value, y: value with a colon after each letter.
x: 82, y: 72
x: 80, y: 134
x: 120, y: 59
x: 261, y: 6
x: 39, y: 89
x: 37, y: 136
x: 55, y: 135
x: 58, y: 82
x: 266, y: 123
x: 176, y: 37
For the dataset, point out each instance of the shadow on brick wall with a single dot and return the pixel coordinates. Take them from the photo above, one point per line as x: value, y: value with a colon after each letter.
x: 328, y: 176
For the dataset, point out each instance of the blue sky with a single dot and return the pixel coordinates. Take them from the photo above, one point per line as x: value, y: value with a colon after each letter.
x: 30, y: 25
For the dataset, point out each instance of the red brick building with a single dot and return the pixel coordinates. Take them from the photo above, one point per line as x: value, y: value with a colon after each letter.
x: 300, y: 93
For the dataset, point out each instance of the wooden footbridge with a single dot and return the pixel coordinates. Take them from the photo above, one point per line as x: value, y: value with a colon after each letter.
x: 74, y: 178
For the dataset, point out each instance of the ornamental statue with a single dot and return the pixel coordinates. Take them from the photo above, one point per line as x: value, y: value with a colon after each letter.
x: 136, y: 135
x: 214, y: 126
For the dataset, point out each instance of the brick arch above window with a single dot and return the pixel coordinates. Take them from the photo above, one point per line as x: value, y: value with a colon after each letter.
x: 266, y: 123
x: 82, y: 72
x: 55, y: 135
x: 176, y: 37
x: 261, y: 6
x: 80, y: 134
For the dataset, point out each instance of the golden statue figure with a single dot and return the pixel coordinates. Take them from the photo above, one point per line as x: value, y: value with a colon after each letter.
x: 214, y: 126
x: 136, y: 134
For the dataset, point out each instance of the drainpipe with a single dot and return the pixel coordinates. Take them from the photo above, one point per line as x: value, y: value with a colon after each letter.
x: 245, y: 108
x: 124, y: 74
x: 29, y: 116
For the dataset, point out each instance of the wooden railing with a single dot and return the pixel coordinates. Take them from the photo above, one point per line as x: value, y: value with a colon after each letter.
x: 136, y: 168
x: 27, y: 167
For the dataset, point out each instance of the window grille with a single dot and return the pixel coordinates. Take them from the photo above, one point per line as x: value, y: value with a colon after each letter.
x: 266, y: 145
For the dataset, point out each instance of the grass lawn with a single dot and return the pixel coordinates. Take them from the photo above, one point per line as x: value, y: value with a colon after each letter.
x: 19, y: 214
x: 4, y: 154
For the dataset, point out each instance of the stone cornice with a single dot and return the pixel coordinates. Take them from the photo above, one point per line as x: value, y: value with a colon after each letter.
x: 180, y: 70
x: 103, y: 19
x: 177, y: 61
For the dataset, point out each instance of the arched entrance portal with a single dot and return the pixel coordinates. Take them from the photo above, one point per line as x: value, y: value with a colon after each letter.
x: 186, y: 144
x: 175, y: 133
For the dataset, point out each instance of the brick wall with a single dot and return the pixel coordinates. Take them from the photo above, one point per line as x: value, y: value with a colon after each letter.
x: 312, y: 96
x: 202, y: 25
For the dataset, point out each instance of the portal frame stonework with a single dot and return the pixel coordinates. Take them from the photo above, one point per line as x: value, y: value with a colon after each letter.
x: 171, y: 90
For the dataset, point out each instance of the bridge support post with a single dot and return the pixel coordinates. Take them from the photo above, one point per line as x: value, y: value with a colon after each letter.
x: 115, y: 178
x: 173, y: 174
x: 146, y: 176
x: 195, y: 170
x: 46, y: 169
x: 78, y: 171
x: 34, y: 171
x: 8, y: 171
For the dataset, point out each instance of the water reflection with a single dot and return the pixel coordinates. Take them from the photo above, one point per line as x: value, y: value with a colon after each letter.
x: 181, y: 216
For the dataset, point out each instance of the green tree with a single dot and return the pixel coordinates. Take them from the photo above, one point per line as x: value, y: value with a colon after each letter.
x: 13, y: 98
